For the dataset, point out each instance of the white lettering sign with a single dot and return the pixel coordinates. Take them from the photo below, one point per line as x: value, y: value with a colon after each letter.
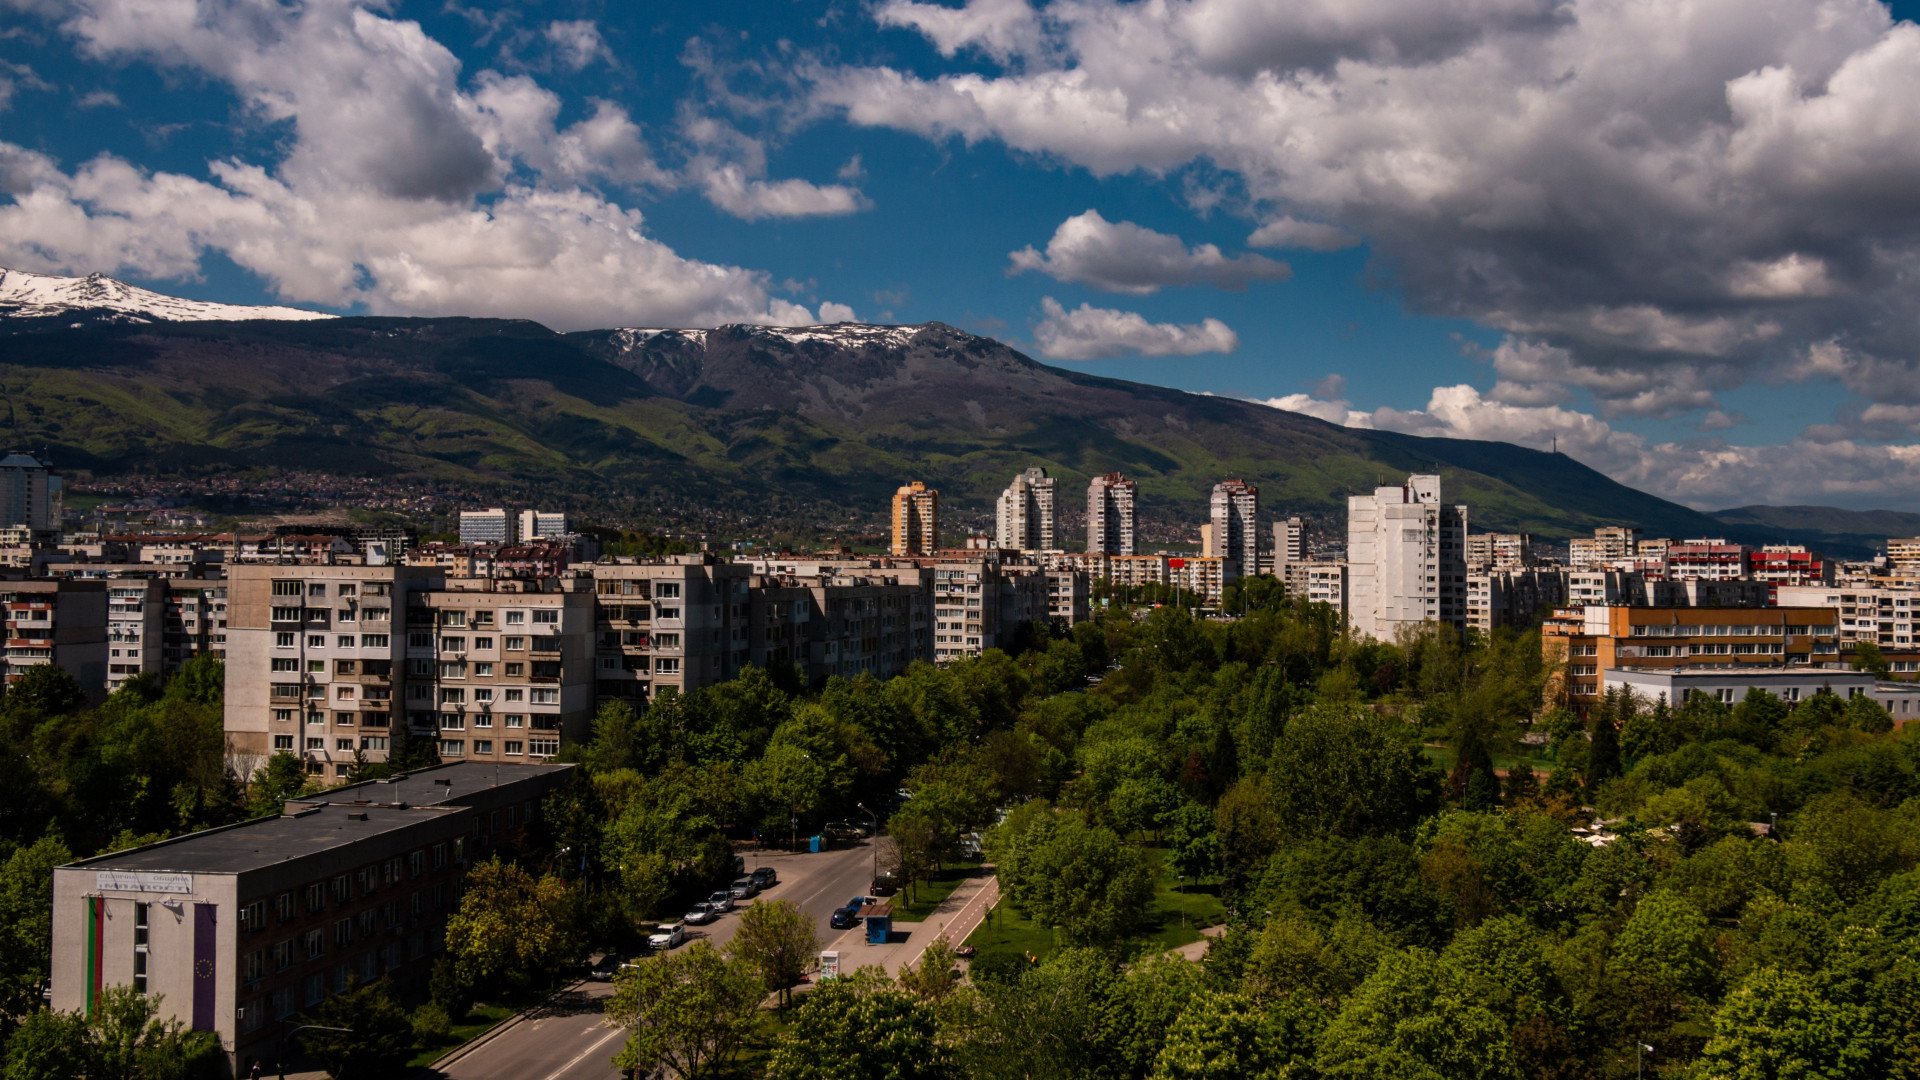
x: 141, y: 881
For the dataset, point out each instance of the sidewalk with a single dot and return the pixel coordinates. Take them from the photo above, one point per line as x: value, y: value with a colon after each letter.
x: 1197, y: 950
x: 953, y: 919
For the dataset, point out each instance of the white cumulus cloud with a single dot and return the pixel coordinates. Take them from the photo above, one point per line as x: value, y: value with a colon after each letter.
x: 1091, y: 333
x: 1119, y: 256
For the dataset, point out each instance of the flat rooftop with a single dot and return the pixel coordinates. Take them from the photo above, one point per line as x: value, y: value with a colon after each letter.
x: 336, y: 818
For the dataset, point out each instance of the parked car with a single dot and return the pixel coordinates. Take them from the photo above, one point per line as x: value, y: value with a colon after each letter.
x: 843, y: 830
x: 764, y: 877
x: 743, y: 888
x: 720, y: 901
x: 602, y: 971
x: 847, y: 916
x: 885, y: 883
x: 701, y: 914
x: 666, y: 936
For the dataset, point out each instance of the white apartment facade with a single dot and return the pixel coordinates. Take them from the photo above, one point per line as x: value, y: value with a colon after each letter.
x: 1110, y: 515
x: 1234, y: 514
x: 1023, y: 516
x: 1406, y: 559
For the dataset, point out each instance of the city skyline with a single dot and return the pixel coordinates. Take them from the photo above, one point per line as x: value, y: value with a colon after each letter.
x: 1639, y: 275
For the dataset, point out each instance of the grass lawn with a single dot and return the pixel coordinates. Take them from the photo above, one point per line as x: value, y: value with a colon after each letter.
x: 482, y: 1018
x: 928, y: 894
x: 1174, y: 919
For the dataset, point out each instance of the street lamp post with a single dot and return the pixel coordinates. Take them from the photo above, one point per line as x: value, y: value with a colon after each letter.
x: 872, y: 838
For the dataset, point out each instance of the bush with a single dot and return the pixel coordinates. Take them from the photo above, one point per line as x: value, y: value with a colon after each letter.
x: 431, y: 1024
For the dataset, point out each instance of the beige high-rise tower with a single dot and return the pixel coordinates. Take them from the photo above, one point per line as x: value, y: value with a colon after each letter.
x: 1023, y: 519
x: 1110, y: 515
x: 916, y: 520
x: 1235, y: 512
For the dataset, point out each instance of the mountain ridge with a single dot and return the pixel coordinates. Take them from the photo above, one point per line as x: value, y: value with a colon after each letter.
x: 97, y: 297
x: 765, y: 421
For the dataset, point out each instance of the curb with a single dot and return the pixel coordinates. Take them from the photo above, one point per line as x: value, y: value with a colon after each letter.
x: 454, y: 1055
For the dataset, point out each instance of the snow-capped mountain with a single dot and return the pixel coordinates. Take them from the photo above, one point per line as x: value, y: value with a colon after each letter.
x: 25, y: 295
x: 841, y: 335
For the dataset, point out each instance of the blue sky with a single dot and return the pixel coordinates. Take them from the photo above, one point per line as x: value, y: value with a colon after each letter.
x: 1678, y: 237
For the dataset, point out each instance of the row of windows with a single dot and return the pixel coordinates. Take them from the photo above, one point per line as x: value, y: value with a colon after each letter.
x: 457, y: 748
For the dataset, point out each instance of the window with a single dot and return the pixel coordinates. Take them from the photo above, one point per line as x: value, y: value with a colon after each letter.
x: 373, y: 641
x: 345, y: 746
x: 516, y: 644
x: 545, y: 696
x: 316, y: 641
x: 285, y: 663
x: 515, y: 747
x: 483, y: 746
x: 254, y: 967
x: 283, y: 641
x: 516, y: 671
x: 342, y: 933
x: 546, y: 616
x: 483, y: 668
x: 315, y: 742
x: 283, y: 955
x: 483, y: 643
x: 286, y: 588
x: 543, y: 747
x: 516, y: 693
x: 253, y: 916
x: 342, y: 889
x: 283, y: 906
x: 453, y: 748
x: 440, y: 856
x: 516, y: 720
x: 666, y: 665
x: 283, y: 742
x: 343, y: 641
x: 140, y: 929
x: 516, y: 618
x: 284, y: 716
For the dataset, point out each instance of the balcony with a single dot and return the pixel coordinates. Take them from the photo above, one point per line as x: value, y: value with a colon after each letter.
x: 545, y: 647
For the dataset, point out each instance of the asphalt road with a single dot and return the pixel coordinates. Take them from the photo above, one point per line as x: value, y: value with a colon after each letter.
x: 568, y: 1039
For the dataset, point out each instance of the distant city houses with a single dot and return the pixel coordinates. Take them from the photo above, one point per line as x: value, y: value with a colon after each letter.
x: 499, y: 647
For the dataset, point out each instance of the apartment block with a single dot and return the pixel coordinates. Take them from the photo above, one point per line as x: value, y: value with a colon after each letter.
x: 1499, y: 551
x: 1289, y: 544
x: 1110, y: 510
x: 1406, y: 559
x: 1069, y: 598
x: 679, y: 624
x: 1886, y: 615
x: 29, y: 495
x: 316, y: 661
x: 1903, y: 554
x: 1234, y: 514
x: 1023, y: 516
x: 916, y: 520
x: 136, y: 629
x: 1206, y: 575
x: 496, y: 525
x: 1730, y: 686
x: 1608, y: 545
x: 63, y: 623
x: 1590, y: 641
x: 1517, y: 597
x: 1788, y: 564
x: 1706, y: 560
x: 195, y: 621
x: 497, y: 669
x: 978, y: 604
x: 540, y: 525
x: 238, y: 930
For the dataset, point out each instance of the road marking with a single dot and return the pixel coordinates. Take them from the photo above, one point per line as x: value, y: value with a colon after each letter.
x: 582, y: 1055
x: 992, y: 885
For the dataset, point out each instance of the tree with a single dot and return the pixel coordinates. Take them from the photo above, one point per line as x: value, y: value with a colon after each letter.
x: 860, y: 1027
x: 936, y: 976
x: 122, y: 1039
x: 26, y: 925
x: 1349, y: 771
x: 1867, y: 657
x: 780, y: 940
x: 1662, y: 962
x: 1408, y: 1021
x: 1190, y: 835
x: 509, y: 925
x: 1247, y: 830
x: 1078, y: 878
x: 1229, y: 1036
x: 1778, y: 1024
x: 283, y: 777
x: 381, y: 1036
x: 688, y: 1013
x: 1603, y: 748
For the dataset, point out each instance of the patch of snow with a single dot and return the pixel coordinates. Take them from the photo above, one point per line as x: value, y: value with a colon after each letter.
x: 27, y: 295
x: 845, y: 334
x: 628, y: 338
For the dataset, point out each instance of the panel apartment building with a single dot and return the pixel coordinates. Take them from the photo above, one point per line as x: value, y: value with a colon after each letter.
x: 325, y: 661
x: 238, y: 930
x: 1886, y: 615
x: 1023, y: 516
x: 1110, y: 510
x: 1406, y: 559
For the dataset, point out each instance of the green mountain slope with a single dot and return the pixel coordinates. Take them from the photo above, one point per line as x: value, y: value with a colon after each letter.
x: 826, y: 420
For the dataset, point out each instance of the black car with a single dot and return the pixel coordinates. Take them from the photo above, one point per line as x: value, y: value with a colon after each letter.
x: 845, y: 918
x: 764, y: 877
